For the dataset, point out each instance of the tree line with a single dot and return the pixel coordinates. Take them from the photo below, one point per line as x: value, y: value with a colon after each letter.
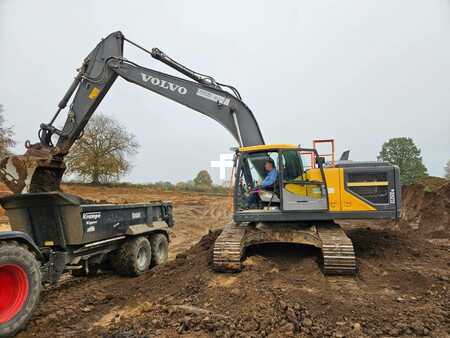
x: 102, y: 156
x: 6, y: 136
x: 201, y: 183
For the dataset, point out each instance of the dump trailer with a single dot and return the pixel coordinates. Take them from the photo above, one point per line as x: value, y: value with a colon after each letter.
x: 53, y: 233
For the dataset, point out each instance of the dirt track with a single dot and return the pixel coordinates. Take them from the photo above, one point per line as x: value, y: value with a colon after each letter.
x: 402, y: 287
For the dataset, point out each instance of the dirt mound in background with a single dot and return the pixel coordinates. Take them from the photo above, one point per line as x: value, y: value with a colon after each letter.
x: 426, y: 207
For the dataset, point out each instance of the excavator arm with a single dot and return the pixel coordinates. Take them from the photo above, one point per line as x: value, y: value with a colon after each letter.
x: 42, y: 166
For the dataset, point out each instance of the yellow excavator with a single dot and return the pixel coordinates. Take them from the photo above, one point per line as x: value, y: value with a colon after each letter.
x: 303, y: 203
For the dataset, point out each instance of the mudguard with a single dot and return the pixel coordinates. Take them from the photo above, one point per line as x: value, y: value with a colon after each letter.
x: 22, y: 237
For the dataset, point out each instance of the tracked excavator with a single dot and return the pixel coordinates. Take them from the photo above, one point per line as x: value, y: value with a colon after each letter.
x: 304, y: 204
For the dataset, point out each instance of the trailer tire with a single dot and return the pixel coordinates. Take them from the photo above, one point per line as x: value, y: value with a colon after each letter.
x: 134, y: 257
x: 160, y: 249
x: 20, y: 280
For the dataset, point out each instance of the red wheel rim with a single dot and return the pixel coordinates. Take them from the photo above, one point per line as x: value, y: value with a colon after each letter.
x: 13, y: 291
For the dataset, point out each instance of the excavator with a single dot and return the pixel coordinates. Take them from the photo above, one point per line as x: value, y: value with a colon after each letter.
x: 304, y: 203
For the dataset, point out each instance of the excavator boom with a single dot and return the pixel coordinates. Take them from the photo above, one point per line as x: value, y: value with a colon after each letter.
x: 42, y: 166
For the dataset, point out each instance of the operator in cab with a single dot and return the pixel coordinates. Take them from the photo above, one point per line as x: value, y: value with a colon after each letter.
x: 267, y: 184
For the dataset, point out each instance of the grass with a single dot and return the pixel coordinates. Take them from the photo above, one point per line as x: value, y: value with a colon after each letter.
x: 184, y: 187
x: 427, y: 189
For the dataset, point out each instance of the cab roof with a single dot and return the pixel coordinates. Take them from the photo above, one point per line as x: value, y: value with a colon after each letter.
x: 267, y: 147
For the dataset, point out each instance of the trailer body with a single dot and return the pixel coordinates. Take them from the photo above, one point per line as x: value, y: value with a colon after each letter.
x: 59, y: 220
x: 70, y: 233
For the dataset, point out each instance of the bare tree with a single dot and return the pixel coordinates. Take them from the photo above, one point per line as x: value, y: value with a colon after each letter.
x: 101, y: 154
x: 6, y: 136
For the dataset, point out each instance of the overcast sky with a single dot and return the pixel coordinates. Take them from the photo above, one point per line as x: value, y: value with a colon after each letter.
x: 357, y: 71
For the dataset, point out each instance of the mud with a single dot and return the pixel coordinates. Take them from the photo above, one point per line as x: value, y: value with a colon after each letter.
x: 426, y: 208
x: 401, y: 289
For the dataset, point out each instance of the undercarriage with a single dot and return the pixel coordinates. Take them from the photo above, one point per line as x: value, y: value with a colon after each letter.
x: 337, y: 253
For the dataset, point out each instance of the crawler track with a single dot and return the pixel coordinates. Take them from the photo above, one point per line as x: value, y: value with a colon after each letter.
x: 228, y: 248
x: 337, y: 250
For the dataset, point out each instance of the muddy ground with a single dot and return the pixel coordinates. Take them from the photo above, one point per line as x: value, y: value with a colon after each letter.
x: 401, y: 289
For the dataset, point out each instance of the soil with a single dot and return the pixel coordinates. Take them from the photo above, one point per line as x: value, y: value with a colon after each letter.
x: 401, y: 289
x: 426, y: 208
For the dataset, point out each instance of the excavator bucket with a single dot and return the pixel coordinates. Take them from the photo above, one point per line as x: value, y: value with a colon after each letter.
x: 31, y: 173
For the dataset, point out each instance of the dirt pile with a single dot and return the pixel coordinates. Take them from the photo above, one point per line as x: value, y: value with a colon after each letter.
x: 402, y: 289
x: 426, y: 207
x: 282, y: 292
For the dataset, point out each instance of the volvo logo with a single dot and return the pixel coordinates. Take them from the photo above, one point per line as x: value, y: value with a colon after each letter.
x: 164, y: 84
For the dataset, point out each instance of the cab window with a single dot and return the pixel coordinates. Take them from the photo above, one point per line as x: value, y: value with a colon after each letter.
x: 292, y: 165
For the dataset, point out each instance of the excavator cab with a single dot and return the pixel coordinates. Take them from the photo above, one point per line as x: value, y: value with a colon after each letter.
x: 251, y: 175
x: 295, y: 189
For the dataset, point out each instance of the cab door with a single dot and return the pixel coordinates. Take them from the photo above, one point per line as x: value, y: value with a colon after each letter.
x: 299, y: 191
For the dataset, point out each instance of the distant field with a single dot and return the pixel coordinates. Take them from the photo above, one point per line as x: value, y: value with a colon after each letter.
x: 4, y: 227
